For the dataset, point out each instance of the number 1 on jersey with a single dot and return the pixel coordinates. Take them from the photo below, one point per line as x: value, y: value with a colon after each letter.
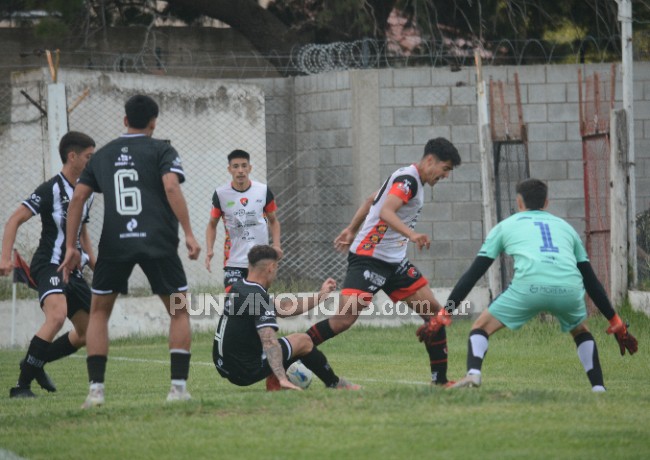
x: 546, y: 238
x: 128, y: 200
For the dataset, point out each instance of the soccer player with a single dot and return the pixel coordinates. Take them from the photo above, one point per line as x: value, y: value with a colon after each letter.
x: 246, y: 349
x: 140, y: 178
x: 552, y: 272
x: 377, y: 254
x: 58, y: 299
x: 248, y: 211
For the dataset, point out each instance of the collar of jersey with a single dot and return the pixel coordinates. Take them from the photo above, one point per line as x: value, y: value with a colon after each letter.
x: 416, y: 169
x: 251, y: 283
x: 133, y: 135
x: 66, y: 179
x: 241, y: 191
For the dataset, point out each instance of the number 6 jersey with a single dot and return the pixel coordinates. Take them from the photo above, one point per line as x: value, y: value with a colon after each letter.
x: 138, y: 220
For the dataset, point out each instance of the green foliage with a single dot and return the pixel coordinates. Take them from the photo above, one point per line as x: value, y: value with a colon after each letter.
x: 535, y: 403
x: 51, y: 29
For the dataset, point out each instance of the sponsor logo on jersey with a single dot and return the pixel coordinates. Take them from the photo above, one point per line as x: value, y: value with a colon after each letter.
x: 243, y: 201
x: 35, y: 198
x: 374, y: 278
x: 230, y: 204
x: 125, y: 150
x: 374, y: 239
x: 132, y: 225
x: 177, y: 161
x: 383, y: 228
x: 124, y: 159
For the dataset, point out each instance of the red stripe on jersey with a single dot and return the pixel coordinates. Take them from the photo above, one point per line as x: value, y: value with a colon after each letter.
x: 403, y: 293
x: 215, y: 213
x: 372, y: 239
x: 271, y: 206
x: 402, y: 191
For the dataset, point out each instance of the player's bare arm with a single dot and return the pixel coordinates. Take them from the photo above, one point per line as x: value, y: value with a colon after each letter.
x: 389, y: 215
x: 86, y: 245
x: 19, y: 217
x: 179, y: 208
x: 75, y: 209
x: 273, y: 351
x: 346, y: 237
x: 210, y: 238
x: 294, y: 305
x: 274, y: 227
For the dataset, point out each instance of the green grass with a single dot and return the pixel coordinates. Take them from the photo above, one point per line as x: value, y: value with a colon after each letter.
x: 535, y: 402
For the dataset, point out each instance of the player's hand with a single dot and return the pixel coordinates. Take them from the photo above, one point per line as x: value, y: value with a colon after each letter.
x: 208, y: 260
x: 193, y: 248
x: 285, y: 384
x: 71, y: 262
x: 430, y: 328
x: 422, y: 240
x: 626, y: 341
x: 328, y: 286
x: 6, y: 267
x: 344, y: 240
x: 279, y: 250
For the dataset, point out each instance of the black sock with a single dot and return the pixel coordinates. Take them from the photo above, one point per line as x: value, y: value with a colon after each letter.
x: 588, y: 354
x: 34, y: 361
x: 437, y: 349
x: 320, y: 332
x: 477, y: 346
x: 180, y: 365
x: 316, y: 362
x: 96, y: 365
x: 60, y: 348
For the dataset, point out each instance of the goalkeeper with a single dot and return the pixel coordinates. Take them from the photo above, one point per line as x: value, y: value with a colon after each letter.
x: 552, y: 272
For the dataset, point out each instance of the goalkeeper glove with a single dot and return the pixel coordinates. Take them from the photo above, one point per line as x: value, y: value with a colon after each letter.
x: 626, y: 341
x: 428, y: 330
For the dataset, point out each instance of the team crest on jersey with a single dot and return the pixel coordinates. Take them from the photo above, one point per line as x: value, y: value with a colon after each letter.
x: 374, y: 239
x: 382, y: 228
x: 412, y: 272
x: 243, y: 201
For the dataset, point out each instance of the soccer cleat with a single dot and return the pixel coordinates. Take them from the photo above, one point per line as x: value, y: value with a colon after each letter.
x: 598, y: 389
x: 447, y: 384
x: 345, y: 385
x: 272, y: 383
x: 469, y: 381
x: 95, y: 398
x: 178, y: 393
x: 41, y: 377
x: 19, y: 392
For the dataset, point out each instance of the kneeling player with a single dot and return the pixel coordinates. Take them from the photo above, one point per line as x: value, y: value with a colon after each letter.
x: 246, y: 349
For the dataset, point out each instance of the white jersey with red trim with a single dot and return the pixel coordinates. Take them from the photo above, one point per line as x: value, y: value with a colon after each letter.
x: 376, y: 239
x: 243, y: 214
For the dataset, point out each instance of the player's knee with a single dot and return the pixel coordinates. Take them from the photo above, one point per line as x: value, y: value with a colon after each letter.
x: 56, y: 318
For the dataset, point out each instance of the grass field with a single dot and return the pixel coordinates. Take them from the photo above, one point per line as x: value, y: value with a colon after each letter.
x: 535, y: 402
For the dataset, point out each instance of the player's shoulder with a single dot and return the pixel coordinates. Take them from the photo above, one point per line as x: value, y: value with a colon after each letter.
x: 256, y: 185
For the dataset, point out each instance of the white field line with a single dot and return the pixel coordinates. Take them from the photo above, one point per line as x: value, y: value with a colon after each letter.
x: 203, y: 363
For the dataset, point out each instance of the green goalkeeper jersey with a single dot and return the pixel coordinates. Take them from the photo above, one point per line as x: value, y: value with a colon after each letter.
x: 546, y: 249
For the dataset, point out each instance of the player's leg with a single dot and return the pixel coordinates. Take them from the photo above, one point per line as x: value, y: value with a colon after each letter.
x: 167, y: 278
x: 302, y: 347
x: 477, y: 347
x: 110, y: 278
x: 588, y: 355
x: 364, y: 276
x: 78, y: 302
x: 31, y: 366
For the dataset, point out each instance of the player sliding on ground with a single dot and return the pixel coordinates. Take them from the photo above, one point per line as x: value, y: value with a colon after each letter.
x: 377, y: 255
x: 551, y: 273
x: 246, y: 349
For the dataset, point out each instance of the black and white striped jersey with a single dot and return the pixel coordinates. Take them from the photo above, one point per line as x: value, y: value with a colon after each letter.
x: 50, y: 200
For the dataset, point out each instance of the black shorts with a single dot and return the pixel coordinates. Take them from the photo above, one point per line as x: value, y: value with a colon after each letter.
x: 166, y: 275
x: 233, y: 274
x: 367, y: 275
x: 49, y: 281
x: 244, y: 377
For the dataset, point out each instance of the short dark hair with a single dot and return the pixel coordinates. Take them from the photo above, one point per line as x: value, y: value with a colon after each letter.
x: 74, y: 141
x: 239, y: 154
x: 534, y: 193
x: 261, y: 252
x: 443, y: 150
x: 140, y: 109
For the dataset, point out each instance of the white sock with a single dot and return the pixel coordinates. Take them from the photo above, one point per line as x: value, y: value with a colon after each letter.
x: 96, y: 386
x: 181, y: 384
